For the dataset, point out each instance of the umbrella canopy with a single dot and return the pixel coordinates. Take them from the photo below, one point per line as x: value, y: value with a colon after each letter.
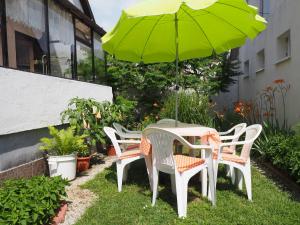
x: 174, y: 30
x: 152, y: 30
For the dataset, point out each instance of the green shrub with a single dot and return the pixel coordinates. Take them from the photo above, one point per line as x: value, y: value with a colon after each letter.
x: 282, y: 149
x: 31, y: 201
x: 192, y: 108
x: 63, y: 142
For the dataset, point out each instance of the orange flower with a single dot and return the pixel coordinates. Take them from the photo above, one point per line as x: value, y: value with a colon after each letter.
x: 279, y: 81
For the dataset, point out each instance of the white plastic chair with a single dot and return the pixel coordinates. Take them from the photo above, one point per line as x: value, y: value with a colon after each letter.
x: 236, y: 132
x: 181, y: 167
x: 242, y: 162
x: 127, y: 133
x: 237, y: 129
x: 124, y: 157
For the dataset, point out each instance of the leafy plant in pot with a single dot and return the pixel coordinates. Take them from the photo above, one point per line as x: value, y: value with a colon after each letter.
x: 86, y: 116
x: 61, y: 151
x: 83, y: 160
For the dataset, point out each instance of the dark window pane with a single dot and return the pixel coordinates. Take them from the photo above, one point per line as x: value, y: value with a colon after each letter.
x: 84, y: 62
x: 83, y: 32
x: 26, y: 35
x: 61, y: 32
x: 99, y: 59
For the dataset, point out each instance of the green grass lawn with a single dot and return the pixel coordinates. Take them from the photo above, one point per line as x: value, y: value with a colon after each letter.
x: 133, y: 205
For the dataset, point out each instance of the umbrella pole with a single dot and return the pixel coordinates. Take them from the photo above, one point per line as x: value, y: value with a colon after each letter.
x: 177, y: 59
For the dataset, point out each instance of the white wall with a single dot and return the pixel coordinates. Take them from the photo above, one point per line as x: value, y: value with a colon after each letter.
x: 31, y: 101
x: 284, y: 16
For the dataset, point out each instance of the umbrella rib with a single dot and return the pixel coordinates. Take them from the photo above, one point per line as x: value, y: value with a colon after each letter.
x: 199, y: 27
x: 230, y: 24
x: 125, y: 35
x: 146, y: 43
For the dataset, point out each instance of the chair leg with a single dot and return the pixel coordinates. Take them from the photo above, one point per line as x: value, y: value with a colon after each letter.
x: 239, y: 179
x: 148, y: 162
x: 179, y: 195
x: 155, y: 177
x: 248, y: 182
x: 215, y: 169
x: 184, y: 198
x: 120, y: 168
x: 233, y: 175
x: 228, y: 171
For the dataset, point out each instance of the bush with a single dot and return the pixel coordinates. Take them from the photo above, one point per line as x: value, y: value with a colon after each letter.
x: 31, y: 201
x: 192, y: 108
x: 282, y: 149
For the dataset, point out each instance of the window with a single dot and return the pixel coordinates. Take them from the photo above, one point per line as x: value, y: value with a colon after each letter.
x: 264, y: 8
x: 26, y: 35
x: 61, y: 32
x: 84, y: 52
x: 283, y: 46
x: 77, y: 4
x: 260, y: 61
x: 246, y: 68
x: 99, y: 59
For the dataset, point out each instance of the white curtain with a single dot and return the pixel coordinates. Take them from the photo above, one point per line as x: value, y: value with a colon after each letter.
x: 61, y: 27
x: 30, y: 13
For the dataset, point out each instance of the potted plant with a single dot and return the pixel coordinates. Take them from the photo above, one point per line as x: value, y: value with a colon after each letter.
x: 83, y: 160
x: 61, y: 151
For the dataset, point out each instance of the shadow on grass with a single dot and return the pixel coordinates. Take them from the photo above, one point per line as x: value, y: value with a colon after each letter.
x: 137, y: 175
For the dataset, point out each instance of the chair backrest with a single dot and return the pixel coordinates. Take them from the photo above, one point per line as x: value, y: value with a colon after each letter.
x: 162, y: 142
x: 111, y: 133
x: 252, y: 133
x: 119, y: 128
x: 238, y: 129
x: 166, y: 121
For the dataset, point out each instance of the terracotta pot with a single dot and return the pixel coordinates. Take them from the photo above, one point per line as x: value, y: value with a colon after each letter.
x: 111, y: 150
x: 61, y: 214
x: 83, y: 163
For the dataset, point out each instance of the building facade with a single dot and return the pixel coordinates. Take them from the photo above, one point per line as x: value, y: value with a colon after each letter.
x: 50, y: 52
x: 273, y: 55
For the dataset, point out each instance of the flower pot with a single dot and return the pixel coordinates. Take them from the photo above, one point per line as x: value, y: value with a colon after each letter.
x: 111, y: 150
x: 83, y: 164
x: 64, y: 166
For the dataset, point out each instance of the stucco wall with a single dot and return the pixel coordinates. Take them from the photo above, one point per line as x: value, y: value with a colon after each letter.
x: 30, y: 101
x: 284, y: 16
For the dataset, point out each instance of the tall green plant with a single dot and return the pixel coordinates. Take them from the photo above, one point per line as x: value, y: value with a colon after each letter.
x: 89, y: 117
x: 193, y: 108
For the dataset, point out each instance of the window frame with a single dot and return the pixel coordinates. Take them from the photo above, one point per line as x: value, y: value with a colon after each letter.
x: 75, y: 17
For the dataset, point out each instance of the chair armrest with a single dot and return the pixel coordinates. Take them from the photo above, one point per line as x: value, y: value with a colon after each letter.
x: 128, y: 142
x: 131, y: 135
x: 234, y: 143
x: 226, y: 138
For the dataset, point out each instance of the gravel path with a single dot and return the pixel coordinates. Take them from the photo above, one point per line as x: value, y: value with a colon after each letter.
x: 80, y: 199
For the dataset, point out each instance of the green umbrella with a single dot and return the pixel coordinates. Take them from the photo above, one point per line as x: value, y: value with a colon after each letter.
x: 174, y: 30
